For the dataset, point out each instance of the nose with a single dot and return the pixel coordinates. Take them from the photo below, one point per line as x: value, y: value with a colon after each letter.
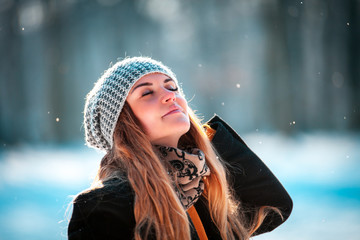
x: 168, y: 96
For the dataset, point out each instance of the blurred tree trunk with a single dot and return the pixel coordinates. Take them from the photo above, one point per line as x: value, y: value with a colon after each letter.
x: 354, y: 64
x: 13, y: 120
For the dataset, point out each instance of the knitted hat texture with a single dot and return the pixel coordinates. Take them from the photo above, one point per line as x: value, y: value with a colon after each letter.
x: 105, y: 101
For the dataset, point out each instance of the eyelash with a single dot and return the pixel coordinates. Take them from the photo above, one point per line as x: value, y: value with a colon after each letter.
x: 174, y: 89
x: 150, y: 92
x: 147, y: 93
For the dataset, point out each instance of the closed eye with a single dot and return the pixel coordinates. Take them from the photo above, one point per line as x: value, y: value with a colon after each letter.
x: 147, y: 93
x: 174, y: 89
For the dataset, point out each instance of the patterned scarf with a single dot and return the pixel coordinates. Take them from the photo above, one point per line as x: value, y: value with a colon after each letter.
x: 188, y: 168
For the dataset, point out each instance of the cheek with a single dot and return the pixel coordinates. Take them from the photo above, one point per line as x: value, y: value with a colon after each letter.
x: 145, y: 114
x: 183, y: 103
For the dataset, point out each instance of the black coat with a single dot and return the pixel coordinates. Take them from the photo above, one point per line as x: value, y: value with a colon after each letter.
x: 107, y: 212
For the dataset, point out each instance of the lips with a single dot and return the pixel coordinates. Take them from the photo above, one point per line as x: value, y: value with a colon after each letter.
x: 173, y: 109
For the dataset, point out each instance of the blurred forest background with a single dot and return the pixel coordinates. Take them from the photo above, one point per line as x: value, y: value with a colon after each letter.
x: 277, y: 65
x: 285, y: 74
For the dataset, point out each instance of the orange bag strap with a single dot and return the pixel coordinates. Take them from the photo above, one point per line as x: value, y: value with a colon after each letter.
x: 197, y: 223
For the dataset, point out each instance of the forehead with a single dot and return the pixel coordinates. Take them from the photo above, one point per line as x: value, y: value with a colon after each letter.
x: 152, y: 77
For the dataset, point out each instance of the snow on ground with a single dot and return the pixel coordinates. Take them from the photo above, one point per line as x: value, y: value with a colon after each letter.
x: 319, y: 170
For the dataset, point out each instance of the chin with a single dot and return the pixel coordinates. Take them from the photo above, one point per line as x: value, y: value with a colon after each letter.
x: 178, y: 128
x: 183, y: 123
x: 184, y: 129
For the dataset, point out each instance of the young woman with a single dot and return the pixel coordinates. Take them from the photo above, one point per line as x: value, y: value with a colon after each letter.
x: 165, y: 175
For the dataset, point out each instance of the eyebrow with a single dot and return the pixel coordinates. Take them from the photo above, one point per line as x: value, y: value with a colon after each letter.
x: 150, y: 84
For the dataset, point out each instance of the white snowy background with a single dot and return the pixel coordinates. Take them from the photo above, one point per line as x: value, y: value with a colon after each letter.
x: 320, y: 170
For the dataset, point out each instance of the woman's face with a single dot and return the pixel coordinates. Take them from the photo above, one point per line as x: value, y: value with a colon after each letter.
x: 162, y: 111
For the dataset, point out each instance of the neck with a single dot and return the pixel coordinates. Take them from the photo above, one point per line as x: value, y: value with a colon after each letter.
x: 170, y: 142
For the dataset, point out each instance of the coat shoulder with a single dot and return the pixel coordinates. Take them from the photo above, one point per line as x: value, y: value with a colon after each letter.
x: 253, y: 182
x: 114, y: 189
x: 103, y: 213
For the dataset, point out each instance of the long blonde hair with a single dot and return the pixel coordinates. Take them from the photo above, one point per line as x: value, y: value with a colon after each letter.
x: 157, y: 209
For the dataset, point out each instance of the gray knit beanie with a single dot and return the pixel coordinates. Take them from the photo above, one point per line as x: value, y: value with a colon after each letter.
x: 106, y: 100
